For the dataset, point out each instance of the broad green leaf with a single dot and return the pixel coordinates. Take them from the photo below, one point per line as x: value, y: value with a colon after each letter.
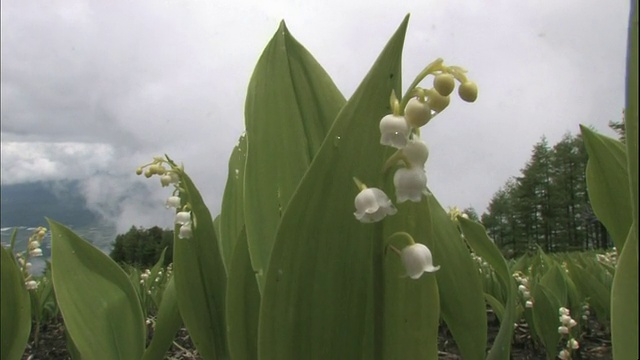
x: 99, y: 305
x: 624, y: 303
x: 545, y: 318
x: 411, y: 307
x: 232, y: 213
x: 608, y: 184
x: 624, y: 295
x: 482, y: 245
x: 317, y: 301
x: 554, y: 282
x: 168, y: 322
x: 243, y: 304
x: 200, y: 278
x: 291, y: 104
x: 631, y: 110
x: 496, y: 305
x: 590, y: 286
x: 15, y: 321
x: 461, y: 293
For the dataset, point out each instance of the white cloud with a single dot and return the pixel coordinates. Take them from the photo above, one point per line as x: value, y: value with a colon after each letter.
x: 40, y: 161
x: 93, y: 88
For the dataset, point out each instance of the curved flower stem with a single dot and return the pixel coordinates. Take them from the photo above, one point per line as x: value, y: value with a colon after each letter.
x: 403, y: 234
x: 429, y: 69
x: 393, y: 159
x: 361, y: 186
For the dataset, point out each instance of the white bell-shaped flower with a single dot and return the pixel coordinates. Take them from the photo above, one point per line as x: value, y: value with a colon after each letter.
x: 183, y: 217
x: 35, y: 252
x: 373, y: 205
x: 416, y: 152
x: 417, y: 260
x: 173, y: 202
x: 185, y: 231
x: 395, y: 131
x: 169, y: 178
x: 410, y: 184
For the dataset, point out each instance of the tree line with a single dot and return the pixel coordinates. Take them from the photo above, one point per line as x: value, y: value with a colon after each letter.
x: 548, y: 204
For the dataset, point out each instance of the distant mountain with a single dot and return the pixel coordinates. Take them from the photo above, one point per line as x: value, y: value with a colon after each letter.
x: 27, y: 204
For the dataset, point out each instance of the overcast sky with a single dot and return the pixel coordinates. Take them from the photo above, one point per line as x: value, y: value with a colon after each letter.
x: 93, y: 89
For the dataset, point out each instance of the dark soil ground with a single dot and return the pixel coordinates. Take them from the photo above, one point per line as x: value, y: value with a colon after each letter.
x: 594, y: 344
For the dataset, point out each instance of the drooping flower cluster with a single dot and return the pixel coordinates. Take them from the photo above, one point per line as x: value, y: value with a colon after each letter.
x: 523, y: 288
x: 586, y: 311
x: 609, y: 258
x: 401, y: 130
x: 171, y: 176
x: 33, y: 249
x: 566, y: 323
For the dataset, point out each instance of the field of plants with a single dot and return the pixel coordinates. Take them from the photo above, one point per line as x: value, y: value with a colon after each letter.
x: 330, y: 245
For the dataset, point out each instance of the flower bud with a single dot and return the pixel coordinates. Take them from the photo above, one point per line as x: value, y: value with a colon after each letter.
x: 417, y: 113
x: 563, y: 330
x: 574, y: 344
x: 468, y: 91
x: 139, y: 171
x: 444, y: 84
x: 416, y: 152
x: 564, y: 354
x: 438, y: 102
x: 157, y: 169
x: 31, y: 285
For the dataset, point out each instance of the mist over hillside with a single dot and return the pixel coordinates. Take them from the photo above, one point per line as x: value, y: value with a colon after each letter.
x: 28, y: 204
x: 24, y: 207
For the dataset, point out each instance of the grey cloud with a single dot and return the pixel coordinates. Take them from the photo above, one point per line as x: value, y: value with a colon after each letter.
x: 153, y: 77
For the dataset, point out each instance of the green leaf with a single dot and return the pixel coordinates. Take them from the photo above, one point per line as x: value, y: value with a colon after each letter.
x: 15, y: 322
x: 496, y: 305
x: 461, y: 292
x: 624, y: 294
x: 317, y: 301
x: 232, y: 213
x: 291, y: 104
x: 624, y: 303
x: 243, y: 304
x: 168, y: 323
x: 608, y: 184
x: 98, y: 303
x: 200, y: 278
x: 411, y: 307
x: 545, y: 318
x: 484, y: 247
x: 590, y: 286
x: 555, y: 283
x: 631, y: 111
